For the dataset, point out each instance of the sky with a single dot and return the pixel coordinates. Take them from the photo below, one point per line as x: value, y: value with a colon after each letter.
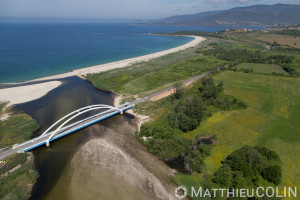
x: 118, y: 9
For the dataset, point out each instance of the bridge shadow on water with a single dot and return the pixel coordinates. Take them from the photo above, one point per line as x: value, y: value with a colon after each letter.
x: 74, y: 93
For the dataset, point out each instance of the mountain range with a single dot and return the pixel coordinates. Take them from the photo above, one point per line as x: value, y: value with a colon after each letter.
x: 278, y: 14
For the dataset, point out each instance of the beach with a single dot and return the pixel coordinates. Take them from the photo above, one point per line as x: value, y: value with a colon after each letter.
x: 123, y: 63
x: 22, y: 94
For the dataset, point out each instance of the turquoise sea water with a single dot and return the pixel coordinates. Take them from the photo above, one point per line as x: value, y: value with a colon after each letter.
x: 29, y: 51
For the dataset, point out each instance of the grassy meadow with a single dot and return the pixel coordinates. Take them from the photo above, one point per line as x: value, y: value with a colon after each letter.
x: 262, y: 68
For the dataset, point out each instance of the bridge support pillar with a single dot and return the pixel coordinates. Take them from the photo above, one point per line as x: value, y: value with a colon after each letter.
x: 48, y: 144
x: 121, y: 112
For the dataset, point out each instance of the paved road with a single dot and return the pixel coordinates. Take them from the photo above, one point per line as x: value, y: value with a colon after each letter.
x: 170, y: 88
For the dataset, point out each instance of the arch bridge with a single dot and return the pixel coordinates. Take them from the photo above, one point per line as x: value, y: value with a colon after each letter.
x: 65, y: 126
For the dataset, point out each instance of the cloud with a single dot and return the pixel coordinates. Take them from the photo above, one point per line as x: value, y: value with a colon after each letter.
x: 214, y: 3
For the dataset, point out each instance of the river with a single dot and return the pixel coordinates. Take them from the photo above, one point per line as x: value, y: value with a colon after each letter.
x: 104, y: 161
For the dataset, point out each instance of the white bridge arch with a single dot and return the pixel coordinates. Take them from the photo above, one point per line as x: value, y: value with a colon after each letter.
x: 67, y: 118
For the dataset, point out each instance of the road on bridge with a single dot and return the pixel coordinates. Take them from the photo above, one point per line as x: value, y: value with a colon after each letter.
x: 41, y: 140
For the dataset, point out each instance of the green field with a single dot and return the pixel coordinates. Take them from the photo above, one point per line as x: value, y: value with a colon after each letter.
x: 272, y: 119
x: 262, y: 68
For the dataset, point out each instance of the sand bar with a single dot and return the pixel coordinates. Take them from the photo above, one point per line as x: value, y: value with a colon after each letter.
x: 22, y: 94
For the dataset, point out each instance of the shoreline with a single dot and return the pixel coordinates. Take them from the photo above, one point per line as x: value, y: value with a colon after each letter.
x: 22, y: 94
x: 118, y: 64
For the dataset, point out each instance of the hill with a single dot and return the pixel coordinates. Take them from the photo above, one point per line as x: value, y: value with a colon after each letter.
x: 278, y: 14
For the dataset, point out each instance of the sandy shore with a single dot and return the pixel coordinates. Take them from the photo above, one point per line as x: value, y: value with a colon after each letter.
x: 22, y: 94
x: 123, y: 63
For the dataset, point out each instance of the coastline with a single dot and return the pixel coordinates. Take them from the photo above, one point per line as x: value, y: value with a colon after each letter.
x: 121, y: 63
x: 22, y: 94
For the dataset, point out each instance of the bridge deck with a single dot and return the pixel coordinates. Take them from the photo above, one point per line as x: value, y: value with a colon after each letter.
x: 38, y: 141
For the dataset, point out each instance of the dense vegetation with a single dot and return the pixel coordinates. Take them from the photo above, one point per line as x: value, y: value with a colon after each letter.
x: 188, y: 108
x: 247, y: 167
x: 237, y: 56
x: 198, y: 33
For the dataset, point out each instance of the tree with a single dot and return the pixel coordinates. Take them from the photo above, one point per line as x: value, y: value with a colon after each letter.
x: 208, y: 89
x: 238, y: 180
x: 186, y: 114
x: 179, y: 91
x: 194, y: 162
x: 204, y: 149
x: 223, y: 176
x: 169, y: 149
x: 157, y: 132
x: 272, y: 174
x: 194, y: 107
x: 220, y: 86
x: 145, y: 131
x: 247, y: 166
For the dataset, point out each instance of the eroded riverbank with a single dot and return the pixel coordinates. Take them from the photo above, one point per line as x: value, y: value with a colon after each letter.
x: 114, y: 165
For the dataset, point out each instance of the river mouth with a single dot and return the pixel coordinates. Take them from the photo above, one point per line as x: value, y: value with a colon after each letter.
x: 60, y: 167
x: 50, y: 162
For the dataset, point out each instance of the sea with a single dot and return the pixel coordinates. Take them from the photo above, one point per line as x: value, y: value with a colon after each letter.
x: 34, y: 50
